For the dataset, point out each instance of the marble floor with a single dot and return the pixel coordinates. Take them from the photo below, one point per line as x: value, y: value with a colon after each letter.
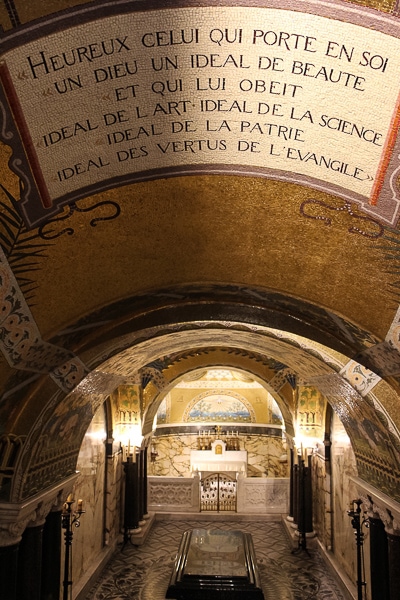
x: 143, y: 572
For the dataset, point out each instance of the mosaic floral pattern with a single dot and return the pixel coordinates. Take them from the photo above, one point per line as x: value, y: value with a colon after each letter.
x: 21, y: 342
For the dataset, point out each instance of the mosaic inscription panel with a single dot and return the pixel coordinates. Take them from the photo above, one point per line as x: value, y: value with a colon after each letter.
x: 244, y: 89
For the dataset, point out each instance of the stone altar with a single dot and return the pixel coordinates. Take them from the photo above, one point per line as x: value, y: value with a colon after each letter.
x: 218, y: 459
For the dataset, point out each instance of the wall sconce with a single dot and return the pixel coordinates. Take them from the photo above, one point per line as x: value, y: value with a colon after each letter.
x: 68, y: 519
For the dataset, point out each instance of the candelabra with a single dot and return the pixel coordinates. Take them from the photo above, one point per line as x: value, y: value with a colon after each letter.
x: 69, y: 518
x: 304, y: 500
x: 302, y: 542
x: 357, y: 524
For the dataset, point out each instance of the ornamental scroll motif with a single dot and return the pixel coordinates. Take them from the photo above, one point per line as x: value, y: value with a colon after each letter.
x: 171, y: 493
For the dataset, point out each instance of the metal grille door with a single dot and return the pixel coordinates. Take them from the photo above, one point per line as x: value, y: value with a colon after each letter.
x: 218, y: 493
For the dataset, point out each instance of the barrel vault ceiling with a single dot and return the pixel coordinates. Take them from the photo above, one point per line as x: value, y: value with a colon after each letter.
x: 197, y: 262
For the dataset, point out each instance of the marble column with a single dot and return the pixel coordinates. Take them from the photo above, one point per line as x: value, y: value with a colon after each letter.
x: 8, y: 571
x: 379, y: 564
x: 51, y: 557
x: 394, y: 565
x: 29, y: 569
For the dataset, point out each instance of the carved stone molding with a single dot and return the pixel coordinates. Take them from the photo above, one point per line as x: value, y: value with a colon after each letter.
x: 392, y: 525
x: 371, y: 510
x: 379, y: 505
x: 15, y: 518
x: 263, y: 495
x: 174, y: 494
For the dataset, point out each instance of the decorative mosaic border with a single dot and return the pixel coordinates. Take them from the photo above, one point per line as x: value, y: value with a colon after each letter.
x: 21, y: 342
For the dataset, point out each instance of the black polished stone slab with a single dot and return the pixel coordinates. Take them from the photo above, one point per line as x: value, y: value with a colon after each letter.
x: 215, y: 565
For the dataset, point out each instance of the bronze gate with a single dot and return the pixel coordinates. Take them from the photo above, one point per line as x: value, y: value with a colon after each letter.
x: 218, y: 493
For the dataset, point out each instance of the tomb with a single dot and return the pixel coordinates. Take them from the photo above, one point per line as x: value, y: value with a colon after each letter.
x: 217, y: 565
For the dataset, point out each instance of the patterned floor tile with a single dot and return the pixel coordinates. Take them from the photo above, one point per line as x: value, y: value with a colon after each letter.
x: 143, y: 572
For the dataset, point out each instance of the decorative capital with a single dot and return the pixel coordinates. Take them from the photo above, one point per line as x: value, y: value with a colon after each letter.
x: 379, y: 506
x: 16, y: 517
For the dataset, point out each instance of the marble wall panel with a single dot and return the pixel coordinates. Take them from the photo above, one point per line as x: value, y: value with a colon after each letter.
x: 322, y: 500
x: 267, y: 456
x: 88, y: 539
x: 344, y: 490
x: 173, y: 459
x: 113, y: 495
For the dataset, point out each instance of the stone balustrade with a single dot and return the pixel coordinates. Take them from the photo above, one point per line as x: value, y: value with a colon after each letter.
x: 258, y: 495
